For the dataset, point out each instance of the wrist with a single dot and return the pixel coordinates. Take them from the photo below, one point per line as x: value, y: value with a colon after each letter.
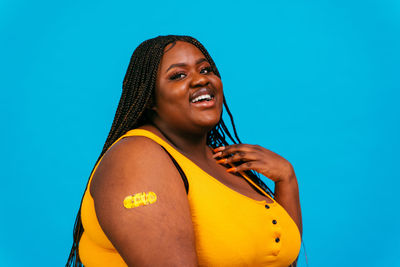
x: 288, y: 176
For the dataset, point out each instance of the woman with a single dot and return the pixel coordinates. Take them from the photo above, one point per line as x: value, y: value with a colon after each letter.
x: 168, y: 190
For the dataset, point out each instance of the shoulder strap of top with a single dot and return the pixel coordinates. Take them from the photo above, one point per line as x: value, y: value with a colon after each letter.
x: 183, y: 176
x: 163, y: 144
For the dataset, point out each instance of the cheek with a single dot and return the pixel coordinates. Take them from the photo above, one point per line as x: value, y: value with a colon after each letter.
x: 171, y: 96
x: 217, y: 84
x: 219, y: 87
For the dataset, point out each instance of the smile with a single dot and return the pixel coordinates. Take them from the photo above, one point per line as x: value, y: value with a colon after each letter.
x: 203, y: 98
x: 206, y: 97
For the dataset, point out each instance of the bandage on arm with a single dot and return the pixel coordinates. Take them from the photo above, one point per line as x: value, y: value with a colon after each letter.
x: 156, y: 234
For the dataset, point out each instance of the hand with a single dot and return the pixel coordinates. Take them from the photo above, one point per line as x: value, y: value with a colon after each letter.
x: 257, y: 158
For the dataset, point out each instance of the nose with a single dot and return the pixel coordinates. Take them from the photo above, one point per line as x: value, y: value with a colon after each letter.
x: 198, y: 79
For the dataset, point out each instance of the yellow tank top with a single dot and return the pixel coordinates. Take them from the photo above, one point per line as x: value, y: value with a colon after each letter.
x: 230, y: 229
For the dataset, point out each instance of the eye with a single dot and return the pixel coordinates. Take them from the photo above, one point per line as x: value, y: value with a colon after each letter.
x: 206, y: 70
x: 177, y: 75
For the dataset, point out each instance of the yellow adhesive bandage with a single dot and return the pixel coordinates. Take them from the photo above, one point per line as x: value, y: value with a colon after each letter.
x: 140, y: 199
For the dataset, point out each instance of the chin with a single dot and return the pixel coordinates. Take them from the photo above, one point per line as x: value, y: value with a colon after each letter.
x: 207, y: 119
x: 208, y: 123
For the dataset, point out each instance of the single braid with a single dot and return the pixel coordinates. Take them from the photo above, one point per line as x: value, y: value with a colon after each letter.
x: 137, y: 96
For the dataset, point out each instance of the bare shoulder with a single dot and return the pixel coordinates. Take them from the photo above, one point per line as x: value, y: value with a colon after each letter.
x: 140, y: 165
x: 133, y: 160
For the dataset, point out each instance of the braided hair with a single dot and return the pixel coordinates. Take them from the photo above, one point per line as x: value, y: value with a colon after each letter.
x: 137, y: 96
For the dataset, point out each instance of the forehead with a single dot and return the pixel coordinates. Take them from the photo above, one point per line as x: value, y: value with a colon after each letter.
x: 180, y: 52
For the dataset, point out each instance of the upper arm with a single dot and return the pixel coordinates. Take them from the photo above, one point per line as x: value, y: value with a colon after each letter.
x: 156, y: 234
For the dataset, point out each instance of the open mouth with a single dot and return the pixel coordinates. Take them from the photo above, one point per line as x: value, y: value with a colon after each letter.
x: 203, y: 98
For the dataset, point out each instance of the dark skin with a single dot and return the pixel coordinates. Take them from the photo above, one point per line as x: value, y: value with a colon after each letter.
x: 161, y: 234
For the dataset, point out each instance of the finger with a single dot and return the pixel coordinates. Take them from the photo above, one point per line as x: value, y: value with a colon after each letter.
x: 218, y: 154
x: 239, y: 156
x: 246, y: 166
x: 229, y: 148
x: 235, y: 148
x: 217, y: 149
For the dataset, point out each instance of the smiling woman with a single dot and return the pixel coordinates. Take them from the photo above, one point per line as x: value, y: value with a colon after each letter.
x: 188, y: 94
x: 169, y: 190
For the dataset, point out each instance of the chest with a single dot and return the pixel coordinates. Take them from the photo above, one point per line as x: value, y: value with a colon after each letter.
x: 233, y: 181
x: 232, y: 229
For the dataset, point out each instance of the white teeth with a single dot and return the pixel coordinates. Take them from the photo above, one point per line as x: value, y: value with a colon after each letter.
x: 202, y: 97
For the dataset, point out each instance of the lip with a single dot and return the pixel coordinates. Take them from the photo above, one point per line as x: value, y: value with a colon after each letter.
x: 205, y: 104
x: 202, y: 91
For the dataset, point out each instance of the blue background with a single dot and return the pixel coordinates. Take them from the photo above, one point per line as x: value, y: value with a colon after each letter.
x: 315, y: 81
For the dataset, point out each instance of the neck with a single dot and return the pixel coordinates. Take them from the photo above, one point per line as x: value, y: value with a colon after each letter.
x: 192, y: 145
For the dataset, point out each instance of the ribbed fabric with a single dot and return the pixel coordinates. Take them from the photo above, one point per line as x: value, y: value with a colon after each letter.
x: 230, y: 229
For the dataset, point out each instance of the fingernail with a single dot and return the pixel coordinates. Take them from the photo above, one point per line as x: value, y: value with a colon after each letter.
x: 222, y: 161
x: 219, y: 148
x: 233, y: 169
x: 216, y: 155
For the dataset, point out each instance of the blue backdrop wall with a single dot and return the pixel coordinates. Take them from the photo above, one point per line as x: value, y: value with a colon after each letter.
x: 315, y: 81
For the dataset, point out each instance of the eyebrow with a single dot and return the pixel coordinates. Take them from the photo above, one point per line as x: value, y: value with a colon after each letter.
x: 184, y: 64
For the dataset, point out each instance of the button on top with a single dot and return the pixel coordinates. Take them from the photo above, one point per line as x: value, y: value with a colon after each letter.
x: 277, y: 240
x: 274, y: 221
x: 266, y: 206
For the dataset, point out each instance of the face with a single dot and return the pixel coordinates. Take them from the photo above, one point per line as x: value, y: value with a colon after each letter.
x: 188, y: 94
